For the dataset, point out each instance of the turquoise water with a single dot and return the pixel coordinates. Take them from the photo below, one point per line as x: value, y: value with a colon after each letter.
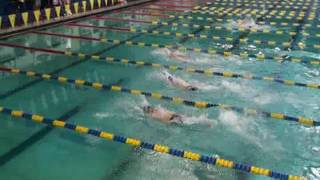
x: 33, y: 151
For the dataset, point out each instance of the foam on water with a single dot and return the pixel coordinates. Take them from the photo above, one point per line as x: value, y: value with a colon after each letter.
x: 311, y: 73
x: 102, y: 115
x: 314, y: 173
x: 249, y: 129
x: 201, y: 120
x: 245, y: 90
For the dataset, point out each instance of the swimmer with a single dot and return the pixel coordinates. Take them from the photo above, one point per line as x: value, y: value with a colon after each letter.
x: 163, y: 115
x: 178, y: 82
x: 246, y: 23
x: 175, y: 54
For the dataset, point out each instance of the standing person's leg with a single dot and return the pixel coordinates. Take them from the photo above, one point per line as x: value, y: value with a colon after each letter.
x: 57, y: 2
x: 68, y: 11
x: 20, y: 5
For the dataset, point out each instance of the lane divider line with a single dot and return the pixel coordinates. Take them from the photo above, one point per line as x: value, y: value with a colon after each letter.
x: 166, y: 10
x: 228, y: 20
x: 279, y: 14
x: 228, y: 39
x: 92, y: 26
x: 244, y: 54
x: 142, y: 14
x: 159, y: 148
x: 264, y: 4
x: 122, y: 20
x: 208, y: 72
x: 178, y: 100
x: 237, y: 11
x: 192, y: 70
x: 171, y: 5
x: 222, y: 28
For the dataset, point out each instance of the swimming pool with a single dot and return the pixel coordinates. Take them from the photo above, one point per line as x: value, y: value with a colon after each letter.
x: 33, y: 151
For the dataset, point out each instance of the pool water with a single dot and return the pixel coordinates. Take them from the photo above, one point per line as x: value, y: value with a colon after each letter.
x: 33, y: 151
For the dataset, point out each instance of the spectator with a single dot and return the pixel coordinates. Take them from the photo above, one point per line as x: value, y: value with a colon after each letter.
x: 68, y: 12
x: 63, y: 2
x: 25, y: 5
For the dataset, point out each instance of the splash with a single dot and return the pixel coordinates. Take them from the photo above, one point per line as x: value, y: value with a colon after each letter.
x: 200, y: 120
x: 205, y: 86
x: 315, y: 173
x: 133, y: 107
x: 239, y: 125
x: 250, y: 130
x: 246, y: 91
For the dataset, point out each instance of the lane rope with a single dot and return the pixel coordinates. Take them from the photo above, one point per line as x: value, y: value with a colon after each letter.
x: 217, y: 39
x: 159, y: 148
x: 166, y: 10
x: 278, y: 14
x: 244, y: 54
x: 143, y: 14
x: 300, y: 16
x: 207, y: 72
x: 222, y: 28
x: 192, y: 70
x: 178, y: 100
x: 228, y: 20
x: 261, y: 4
